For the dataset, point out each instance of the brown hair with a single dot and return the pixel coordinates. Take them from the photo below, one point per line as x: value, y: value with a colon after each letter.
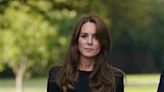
x: 102, y: 78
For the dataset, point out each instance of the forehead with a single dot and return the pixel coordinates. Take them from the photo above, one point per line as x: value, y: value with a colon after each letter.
x: 88, y: 27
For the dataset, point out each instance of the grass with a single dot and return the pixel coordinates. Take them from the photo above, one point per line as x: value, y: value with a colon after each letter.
x: 31, y: 85
x: 142, y: 83
x: 133, y: 83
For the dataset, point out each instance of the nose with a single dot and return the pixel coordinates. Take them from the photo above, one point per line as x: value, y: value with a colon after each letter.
x: 90, y: 40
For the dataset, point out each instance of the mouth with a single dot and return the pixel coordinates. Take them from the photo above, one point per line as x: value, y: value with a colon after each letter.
x: 89, y: 49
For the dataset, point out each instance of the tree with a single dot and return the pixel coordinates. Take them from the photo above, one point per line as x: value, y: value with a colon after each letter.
x: 1, y: 62
x: 25, y: 34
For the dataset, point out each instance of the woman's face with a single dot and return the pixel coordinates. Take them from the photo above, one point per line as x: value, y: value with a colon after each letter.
x: 88, y: 44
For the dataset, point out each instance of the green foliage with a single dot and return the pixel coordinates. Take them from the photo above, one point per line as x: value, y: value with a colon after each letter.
x: 30, y: 38
x: 152, y: 34
x: 24, y: 36
x: 39, y: 30
x: 1, y: 54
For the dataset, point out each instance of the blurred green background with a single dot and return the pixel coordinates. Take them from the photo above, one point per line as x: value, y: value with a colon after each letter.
x: 35, y: 34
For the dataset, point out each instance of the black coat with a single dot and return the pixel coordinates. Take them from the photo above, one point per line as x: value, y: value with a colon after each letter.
x: 53, y: 87
x: 161, y: 83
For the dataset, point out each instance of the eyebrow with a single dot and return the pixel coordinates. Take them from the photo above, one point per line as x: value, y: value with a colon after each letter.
x: 86, y: 33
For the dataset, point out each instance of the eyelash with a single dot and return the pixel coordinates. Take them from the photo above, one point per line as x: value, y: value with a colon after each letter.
x: 83, y: 36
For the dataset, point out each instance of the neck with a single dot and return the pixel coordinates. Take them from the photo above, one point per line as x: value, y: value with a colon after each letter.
x: 86, y: 64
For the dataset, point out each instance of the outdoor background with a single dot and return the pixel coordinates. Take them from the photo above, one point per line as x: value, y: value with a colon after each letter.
x: 35, y: 34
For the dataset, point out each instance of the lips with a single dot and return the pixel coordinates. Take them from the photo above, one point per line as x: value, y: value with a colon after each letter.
x: 89, y: 49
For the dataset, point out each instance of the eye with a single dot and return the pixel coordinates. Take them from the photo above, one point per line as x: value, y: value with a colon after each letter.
x: 83, y: 35
x: 95, y: 36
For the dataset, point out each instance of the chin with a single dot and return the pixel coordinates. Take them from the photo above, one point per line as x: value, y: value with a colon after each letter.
x: 89, y: 56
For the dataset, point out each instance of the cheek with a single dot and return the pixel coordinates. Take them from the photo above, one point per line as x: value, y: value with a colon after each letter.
x: 97, y: 46
x: 80, y: 43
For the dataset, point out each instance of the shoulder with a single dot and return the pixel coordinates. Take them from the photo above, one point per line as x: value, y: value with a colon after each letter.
x: 53, y: 72
x: 119, y: 75
x: 119, y: 79
x: 52, y: 85
x: 54, y: 69
x: 117, y: 72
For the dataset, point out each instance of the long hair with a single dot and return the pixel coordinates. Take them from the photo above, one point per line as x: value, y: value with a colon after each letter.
x: 102, y: 78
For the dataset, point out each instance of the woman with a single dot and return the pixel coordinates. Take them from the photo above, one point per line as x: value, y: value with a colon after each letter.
x: 87, y: 67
